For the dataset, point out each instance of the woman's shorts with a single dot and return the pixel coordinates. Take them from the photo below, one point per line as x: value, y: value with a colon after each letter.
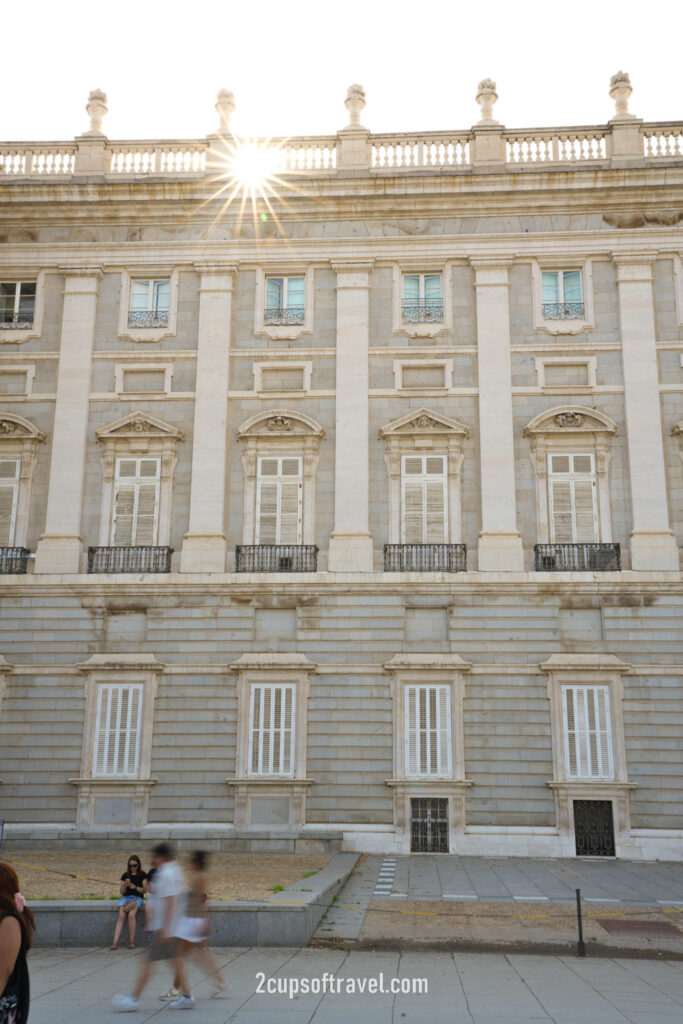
x: 193, y: 929
x: 125, y: 900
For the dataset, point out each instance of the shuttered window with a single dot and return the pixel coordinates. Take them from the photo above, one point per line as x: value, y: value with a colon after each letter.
x: 573, y: 505
x: 428, y: 731
x: 279, y: 500
x: 136, y: 502
x: 587, y: 732
x: 271, y: 734
x: 117, y: 730
x: 424, y: 499
x: 9, y: 492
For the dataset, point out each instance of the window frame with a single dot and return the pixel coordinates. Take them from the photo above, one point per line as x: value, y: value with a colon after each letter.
x: 424, y: 479
x: 556, y: 264
x: 19, y: 440
x: 287, y: 762
x: 129, y: 275
x: 111, y: 688
x: 422, y: 268
x: 279, y: 480
x: 572, y: 477
x: 585, y: 689
x: 18, y: 336
x: 419, y: 689
x: 14, y: 486
x: 283, y: 332
x: 140, y: 481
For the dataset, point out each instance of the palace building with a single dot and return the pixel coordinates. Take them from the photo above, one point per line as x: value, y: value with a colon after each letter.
x: 341, y: 488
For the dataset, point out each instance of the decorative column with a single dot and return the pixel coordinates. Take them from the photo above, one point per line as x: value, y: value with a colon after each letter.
x: 500, y: 544
x: 59, y: 548
x: 653, y: 545
x: 351, y: 544
x: 204, y: 546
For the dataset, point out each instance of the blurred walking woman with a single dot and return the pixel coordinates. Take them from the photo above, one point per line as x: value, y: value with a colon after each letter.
x: 16, y: 931
x: 193, y: 931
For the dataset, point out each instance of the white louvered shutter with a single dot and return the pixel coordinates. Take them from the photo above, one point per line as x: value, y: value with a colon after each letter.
x: 279, y: 500
x: 136, y: 502
x: 428, y: 731
x: 424, y: 503
x: 117, y: 730
x: 573, y: 504
x: 588, y: 734
x: 271, y: 735
x: 9, y: 493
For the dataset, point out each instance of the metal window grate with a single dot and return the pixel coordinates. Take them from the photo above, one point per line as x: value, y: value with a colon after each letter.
x: 22, y: 321
x: 594, y: 828
x: 13, y: 561
x: 428, y: 825
x: 276, y: 558
x: 577, y: 558
x: 129, y: 559
x: 422, y: 312
x: 563, y: 310
x: 425, y: 557
x: 281, y: 316
x: 148, y: 318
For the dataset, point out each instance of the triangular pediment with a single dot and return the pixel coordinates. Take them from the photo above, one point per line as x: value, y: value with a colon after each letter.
x: 571, y: 419
x: 16, y: 428
x: 280, y: 423
x: 423, y: 421
x: 138, y: 424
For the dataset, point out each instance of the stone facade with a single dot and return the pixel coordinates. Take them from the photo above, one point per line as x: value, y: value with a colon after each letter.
x: 214, y: 388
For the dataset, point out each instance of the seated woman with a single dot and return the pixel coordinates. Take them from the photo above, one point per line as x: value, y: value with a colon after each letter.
x: 133, y: 888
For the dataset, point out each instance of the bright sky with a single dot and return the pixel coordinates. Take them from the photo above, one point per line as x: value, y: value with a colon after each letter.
x: 289, y: 63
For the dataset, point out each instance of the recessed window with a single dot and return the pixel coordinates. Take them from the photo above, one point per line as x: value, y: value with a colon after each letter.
x: 282, y: 378
x: 562, y: 297
x: 117, y: 731
x: 17, y: 304
x: 9, y: 493
x: 279, y: 500
x: 422, y: 299
x: 149, y: 303
x: 271, y: 734
x: 285, y: 301
x: 424, y: 499
x: 13, y: 382
x: 428, y: 731
x: 587, y: 732
x: 572, y: 492
x: 144, y: 381
x: 136, y: 502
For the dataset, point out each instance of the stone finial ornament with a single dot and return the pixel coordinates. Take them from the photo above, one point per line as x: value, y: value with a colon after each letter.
x: 486, y: 97
x: 620, y: 90
x: 354, y: 103
x: 225, y: 106
x: 96, y: 108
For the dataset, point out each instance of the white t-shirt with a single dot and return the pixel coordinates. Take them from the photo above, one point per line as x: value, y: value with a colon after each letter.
x: 168, y: 881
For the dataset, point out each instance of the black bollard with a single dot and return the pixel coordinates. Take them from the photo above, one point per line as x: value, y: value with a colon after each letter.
x: 580, y: 945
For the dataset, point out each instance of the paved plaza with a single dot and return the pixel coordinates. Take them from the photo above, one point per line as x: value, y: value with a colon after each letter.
x: 75, y: 986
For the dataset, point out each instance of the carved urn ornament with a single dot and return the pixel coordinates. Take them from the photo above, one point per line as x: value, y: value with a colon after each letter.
x: 620, y: 90
x: 567, y: 420
x: 354, y: 103
x: 96, y: 108
x: 486, y: 98
x: 225, y: 107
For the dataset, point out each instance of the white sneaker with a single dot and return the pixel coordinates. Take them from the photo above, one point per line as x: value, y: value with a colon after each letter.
x: 172, y: 993
x: 184, y: 1003
x: 125, y: 1004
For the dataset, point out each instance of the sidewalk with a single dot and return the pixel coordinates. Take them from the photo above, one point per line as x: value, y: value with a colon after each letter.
x: 76, y: 987
x: 506, y: 904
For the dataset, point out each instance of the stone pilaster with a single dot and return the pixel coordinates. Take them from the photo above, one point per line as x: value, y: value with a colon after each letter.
x: 59, y: 548
x: 500, y: 544
x: 350, y: 547
x: 653, y: 545
x: 204, y: 546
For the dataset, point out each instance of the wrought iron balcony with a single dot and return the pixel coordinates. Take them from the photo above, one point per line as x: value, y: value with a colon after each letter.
x: 422, y: 312
x: 577, y: 557
x: 129, y: 559
x: 148, y: 318
x: 13, y: 561
x: 20, y: 322
x: 425, y: 557
x: 276, y: 558
x: 563, y: 310
x: 283, y: 316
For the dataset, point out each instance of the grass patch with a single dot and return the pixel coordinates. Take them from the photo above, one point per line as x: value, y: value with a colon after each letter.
x: 277, y: 888
x: 307, y: 874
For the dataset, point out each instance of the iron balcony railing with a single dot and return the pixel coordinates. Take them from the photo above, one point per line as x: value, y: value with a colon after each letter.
x: 577, y: 557
x: 20, y: 322
x: 148, y: 318
x: 563, y: 310
x: 282, y: 316
x: 425, y: 557
x: 276, y: 558
x: 129, y: 559
x: 13, y: 561
x: 422, y: 312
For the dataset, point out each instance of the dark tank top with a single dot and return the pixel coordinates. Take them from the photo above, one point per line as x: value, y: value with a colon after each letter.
x: 14, y: 1001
